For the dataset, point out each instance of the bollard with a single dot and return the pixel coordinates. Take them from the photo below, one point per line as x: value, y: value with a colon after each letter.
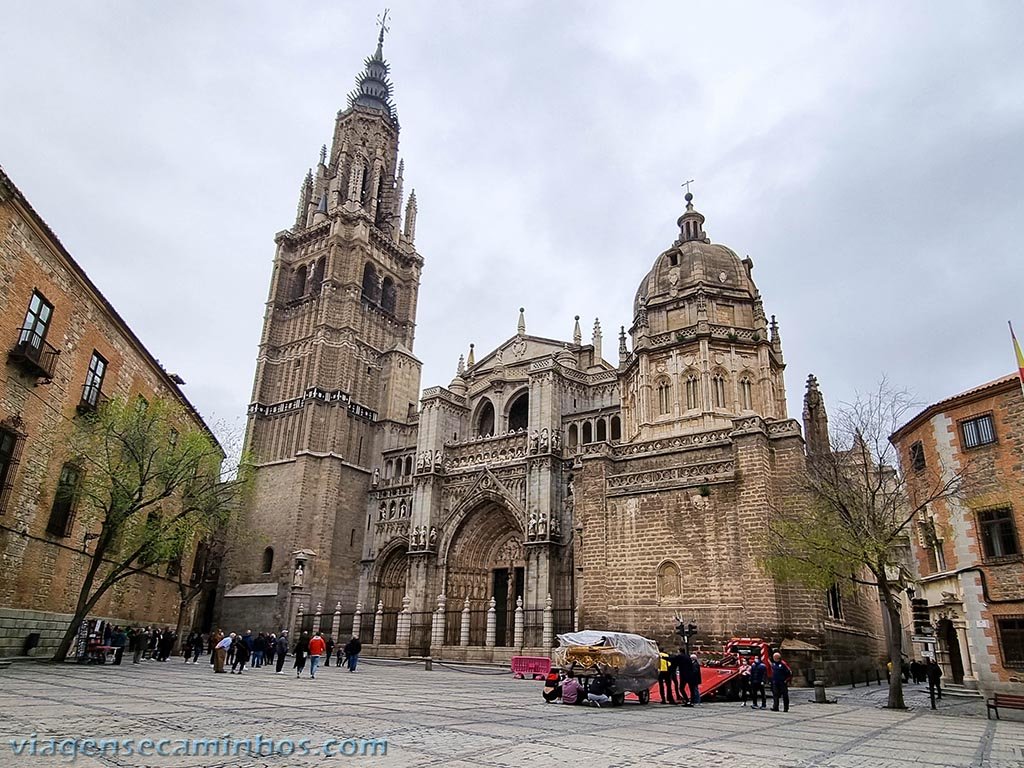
x: 853, y: 679
x: 878, y: 678
x: 428, y: 664
x: 931, y: 695
x: 819, y: 692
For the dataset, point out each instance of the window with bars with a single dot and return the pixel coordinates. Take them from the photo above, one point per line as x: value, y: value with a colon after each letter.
x: 664, y: 396
x: 998, y: 533
x: 746, y: 395
x: 10, y: 448
x: 62, y: 512
x: 692, y: 393
x: 835, y: 603
x: 978, y: 431
x: 917, y: 457
x: 718, y: 390
x: 1011, y: 641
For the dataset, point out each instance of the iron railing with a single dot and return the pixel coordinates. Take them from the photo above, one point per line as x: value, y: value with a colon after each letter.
x: 34, y: 353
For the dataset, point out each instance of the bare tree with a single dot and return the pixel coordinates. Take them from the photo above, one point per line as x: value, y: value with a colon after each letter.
x: 855, y: 512
x: 153, y: 484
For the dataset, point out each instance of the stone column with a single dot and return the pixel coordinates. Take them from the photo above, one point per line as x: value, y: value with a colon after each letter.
x: 492, y: 625
x: 576, y: 618
x: 378, y: 623
x: 437, y: 629
x: 293, y: 625
x: 404, y: 620
x: 517, y: 631
x: 970, y: 680
x: 549, y: 624
x: 357, y: 620
x: 336, y: 624
x: 318, y: 617
x: 464, y: 629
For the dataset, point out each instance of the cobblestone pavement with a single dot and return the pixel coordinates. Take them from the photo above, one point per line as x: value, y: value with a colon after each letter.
x: 458, y: 718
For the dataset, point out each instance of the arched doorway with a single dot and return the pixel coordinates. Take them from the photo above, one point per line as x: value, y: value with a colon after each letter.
x: 485, y: 420
x: 485, y: 559
x: 947, y: 632
x: 392, y: 584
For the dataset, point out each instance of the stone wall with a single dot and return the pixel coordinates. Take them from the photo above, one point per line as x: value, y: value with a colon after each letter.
x: 16, y: 624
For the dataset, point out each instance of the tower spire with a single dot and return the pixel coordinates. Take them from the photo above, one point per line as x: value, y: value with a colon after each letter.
x: 373, y: 88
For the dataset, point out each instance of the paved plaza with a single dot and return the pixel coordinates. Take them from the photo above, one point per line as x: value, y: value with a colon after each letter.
x: 470, y: 717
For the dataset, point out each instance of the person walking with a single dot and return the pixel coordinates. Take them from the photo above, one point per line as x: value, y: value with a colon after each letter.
x: 915, y: 671
x: 197, y: 647
x: 271, y: 651
x: 664, y: 681
x: 694, y: 680
x: 118, y: 640
x: 140, y: 639
x: 329, y: 651
x: 259, y: 647
x: 220, y: 652
x: 676, y: 663
x: 781, y: 676
x: 933, y: 674
x: 317, y: 646
x: 352, y: 649
x: 281, y: 650
x: 758, y: 671
x: 301, y: 649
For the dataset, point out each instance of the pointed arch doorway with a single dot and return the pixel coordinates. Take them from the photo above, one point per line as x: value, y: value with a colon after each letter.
x: 485, y: 559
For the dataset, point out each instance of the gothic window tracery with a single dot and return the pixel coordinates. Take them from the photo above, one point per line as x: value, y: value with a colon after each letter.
x: 693, y: 399
x: 389, y: 295
x: 371, y: 286
x: 718, y: 390
x: 746, y: 394
x: 664, y: 397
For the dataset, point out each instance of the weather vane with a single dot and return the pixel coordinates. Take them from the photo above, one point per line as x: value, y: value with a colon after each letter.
x: 382, y: 22
x: 687, y: 185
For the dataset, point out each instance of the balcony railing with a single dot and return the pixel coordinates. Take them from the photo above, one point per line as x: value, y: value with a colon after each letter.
x: 34, y: 354
x: 92, y: 398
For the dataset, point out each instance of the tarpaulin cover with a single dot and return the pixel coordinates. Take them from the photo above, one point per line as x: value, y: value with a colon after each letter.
x: 631, y: 660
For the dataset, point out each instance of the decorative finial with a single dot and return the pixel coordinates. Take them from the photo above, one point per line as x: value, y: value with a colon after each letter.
x: 471, y: 359
x: 521, y: 327
x: 623, y: 351
x: 462, y: 366
x: 382, y: 22
x: 577, y: 335
x: 323, y: 154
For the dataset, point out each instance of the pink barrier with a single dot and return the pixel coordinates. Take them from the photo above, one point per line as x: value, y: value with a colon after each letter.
x: 530, y: 665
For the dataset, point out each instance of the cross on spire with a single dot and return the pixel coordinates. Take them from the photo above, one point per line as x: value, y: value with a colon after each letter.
x: 687, y: 185
x: 382, y: 22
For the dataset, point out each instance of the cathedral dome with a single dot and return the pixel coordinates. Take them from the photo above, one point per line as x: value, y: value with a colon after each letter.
x: 694, y: 260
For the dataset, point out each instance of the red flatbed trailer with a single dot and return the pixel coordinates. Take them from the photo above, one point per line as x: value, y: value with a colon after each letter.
x: 719, y: 670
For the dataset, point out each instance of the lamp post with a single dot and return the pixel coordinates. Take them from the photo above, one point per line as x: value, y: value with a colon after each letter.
x: 686, y: 632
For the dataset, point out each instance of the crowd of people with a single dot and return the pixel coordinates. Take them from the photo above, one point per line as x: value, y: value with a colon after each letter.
x: 679, y: 679
x: 270, y: 651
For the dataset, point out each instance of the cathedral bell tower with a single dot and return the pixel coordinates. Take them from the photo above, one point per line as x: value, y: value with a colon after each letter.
x: 335, y: 370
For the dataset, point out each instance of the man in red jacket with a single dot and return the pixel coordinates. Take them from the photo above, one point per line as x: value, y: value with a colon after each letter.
x: 317, y: 646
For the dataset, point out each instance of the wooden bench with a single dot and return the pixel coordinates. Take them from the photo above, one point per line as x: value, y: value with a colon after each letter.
x: 535, y: 666
x: 1004, y: 700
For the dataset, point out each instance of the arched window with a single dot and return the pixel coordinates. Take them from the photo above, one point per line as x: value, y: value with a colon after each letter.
x: 718, y: 390
x: 268, y: 559
x: 388, y: 295
x: 519, y: 413
x: 485, y: 420
x: 602, y: 430
x: 398, y: 468
x: 370, y: 284
x: 299, y: 283
x: 574, y: 436
x: 318, y: 274
x: 692, y: 392
x: 408, y: 465
x: 588, y: 432
x: 389, y: 469
x: 664, y: 397
x: 746, y: 394
x: 668, y: 580
x: 364, y: 191
x: 616, y: 428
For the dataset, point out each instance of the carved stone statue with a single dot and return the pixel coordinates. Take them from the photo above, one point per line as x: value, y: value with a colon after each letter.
x: 403, y: 510
x: 556, y: 439
x: 534, y: 441
x: 531, y: 527
x: 299, y: 576
x: 437, y: 461
x: 556, y: 527
x: 383, y: 511
x: 544, y: 439
x: 542, y: 526
x: 433, y: 537
x: 376, y: 476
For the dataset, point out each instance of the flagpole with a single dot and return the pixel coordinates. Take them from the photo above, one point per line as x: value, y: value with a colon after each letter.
x: 1019, y: 354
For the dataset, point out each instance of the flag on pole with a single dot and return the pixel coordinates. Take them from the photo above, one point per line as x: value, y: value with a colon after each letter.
x: 1020, y: 356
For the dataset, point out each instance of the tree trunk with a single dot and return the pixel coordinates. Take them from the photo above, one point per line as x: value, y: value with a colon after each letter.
x: 893, y: 630
x: 85, y: 604
x: 187, y: 596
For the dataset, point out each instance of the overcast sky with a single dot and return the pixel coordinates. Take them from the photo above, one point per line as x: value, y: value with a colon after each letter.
x: 868, y: 157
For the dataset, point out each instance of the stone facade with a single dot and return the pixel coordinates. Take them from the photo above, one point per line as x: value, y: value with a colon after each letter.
x: 968, y: 549
x: 543, y: 488
x: 46, y: 385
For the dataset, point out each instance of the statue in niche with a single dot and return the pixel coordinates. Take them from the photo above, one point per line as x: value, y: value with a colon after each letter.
x: 534, y: 441
x: 383, y: 512
x: 376, y: 476
x: 542, y: 526
x: 403, y: 510
x: 437, y: 461
x: 299, y: 576
x: 531, y: 527
x: 556, y: 439
x: 433, y: 537
x: 544, y: 439
x: 556, y: 527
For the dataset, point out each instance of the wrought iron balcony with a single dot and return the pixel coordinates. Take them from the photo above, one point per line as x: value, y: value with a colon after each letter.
x: 92, y: 398
x: 34, y: 354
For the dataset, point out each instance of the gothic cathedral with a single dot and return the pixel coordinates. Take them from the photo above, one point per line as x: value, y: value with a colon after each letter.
x: 544, y: 488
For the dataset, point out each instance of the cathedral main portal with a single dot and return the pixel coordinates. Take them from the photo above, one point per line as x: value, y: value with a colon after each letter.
x: 485, y: 559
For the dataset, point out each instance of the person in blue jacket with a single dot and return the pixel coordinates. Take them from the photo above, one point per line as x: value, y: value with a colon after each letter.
x: 758, y: 670
x: 781, y: 675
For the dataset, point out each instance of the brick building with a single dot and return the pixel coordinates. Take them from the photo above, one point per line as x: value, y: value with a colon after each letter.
x: 544, y: 487
x: 968, y: 549
x: 66, y: 349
